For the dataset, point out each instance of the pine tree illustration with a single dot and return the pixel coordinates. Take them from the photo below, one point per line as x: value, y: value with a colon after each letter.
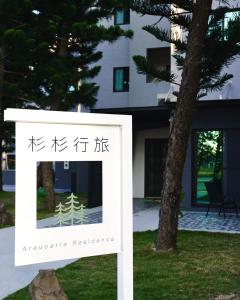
x: 72, y: 209
x: 82, y: 215
x: 60, y: 214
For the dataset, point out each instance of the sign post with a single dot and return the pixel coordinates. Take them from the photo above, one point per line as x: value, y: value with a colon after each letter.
x: 43, y: 136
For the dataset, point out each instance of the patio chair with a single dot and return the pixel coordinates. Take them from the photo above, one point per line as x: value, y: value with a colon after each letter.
x: 217, y: 200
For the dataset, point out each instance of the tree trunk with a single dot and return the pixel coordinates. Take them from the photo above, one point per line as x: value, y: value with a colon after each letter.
x: 39, y: 176
x: 48, y: 184
x: 47, y: 171
x: 181, y: 125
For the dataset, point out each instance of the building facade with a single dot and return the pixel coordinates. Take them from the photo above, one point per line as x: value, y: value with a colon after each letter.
x: 214, y: 142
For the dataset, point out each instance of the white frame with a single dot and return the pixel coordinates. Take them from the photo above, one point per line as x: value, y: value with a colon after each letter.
x: 125, y: 253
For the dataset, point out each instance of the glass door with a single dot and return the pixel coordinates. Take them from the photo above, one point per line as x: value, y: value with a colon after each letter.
x: 207, y: 162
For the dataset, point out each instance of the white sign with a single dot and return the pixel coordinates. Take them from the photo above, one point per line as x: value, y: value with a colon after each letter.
x: 66, y: 136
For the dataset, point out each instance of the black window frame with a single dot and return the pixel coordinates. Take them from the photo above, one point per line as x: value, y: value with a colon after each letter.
x: 126, y: 72
x: 126, y: 17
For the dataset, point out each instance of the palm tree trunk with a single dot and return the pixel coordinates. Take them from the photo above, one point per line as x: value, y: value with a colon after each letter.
x: 178, y: 140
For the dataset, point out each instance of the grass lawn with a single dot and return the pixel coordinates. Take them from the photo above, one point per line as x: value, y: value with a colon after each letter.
x: 206, y: 264
x: 9, y: 199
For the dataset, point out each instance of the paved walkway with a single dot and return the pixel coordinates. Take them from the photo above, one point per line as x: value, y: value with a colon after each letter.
x: 213, y: 223
x: 145, y: 218
x: 193, y: 221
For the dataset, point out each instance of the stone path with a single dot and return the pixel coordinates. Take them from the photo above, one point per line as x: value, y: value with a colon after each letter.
x: 213, y: 223
x: 193, y: 221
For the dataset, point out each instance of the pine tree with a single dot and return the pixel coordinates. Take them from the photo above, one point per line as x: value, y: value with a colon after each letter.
x: 219, y: 38
x: 201, y: 73
x: 66, y: 35
x: 81, y: 214
x: 72, y: 209
x: 15, y: 54
x: 60, y: 214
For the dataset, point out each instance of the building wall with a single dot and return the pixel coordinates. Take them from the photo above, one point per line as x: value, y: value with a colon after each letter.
x: 144, y: 94
x: 114, y: 55
x: 139, y: 157
x: 62, y: 177
x: 231, y: 90
x: 119, y: 54
x: 9, y: 177
x: 232, y: 164
x: 74, y: 179
x: 208, y: 118
x: 141, y: 93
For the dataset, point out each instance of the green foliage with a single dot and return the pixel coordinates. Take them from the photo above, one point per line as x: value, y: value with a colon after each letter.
x: 222, y: 42
x: 66, y: 36
x: 15, y: 48
x: 210, y: 151
x: 41, y: 192
x: 48, y: 53
x: 144, y: 67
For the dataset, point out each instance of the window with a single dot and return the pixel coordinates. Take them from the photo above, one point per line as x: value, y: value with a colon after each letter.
x: 230, y: 16
x: 208, y: 162
x: 122, y: 17
x: 121, y: 79
x: 159, y: 58
x: 223, y: 25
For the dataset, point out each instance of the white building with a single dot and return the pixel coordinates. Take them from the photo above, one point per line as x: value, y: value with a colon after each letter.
x: 123, y: 90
